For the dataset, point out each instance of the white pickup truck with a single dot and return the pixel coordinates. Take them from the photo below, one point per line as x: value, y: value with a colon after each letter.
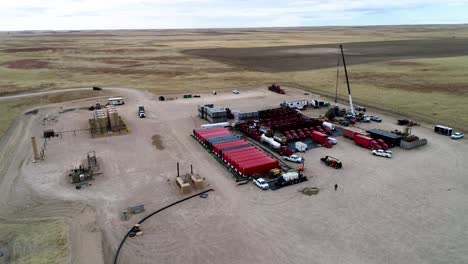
x: 382, y: 153
x: 294, y: 158
x: 261, y: 183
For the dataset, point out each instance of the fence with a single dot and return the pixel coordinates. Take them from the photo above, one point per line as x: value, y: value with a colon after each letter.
x: 413, y: 144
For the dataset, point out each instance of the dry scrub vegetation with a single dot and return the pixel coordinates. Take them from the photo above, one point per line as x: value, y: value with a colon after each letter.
x: 154, y: 60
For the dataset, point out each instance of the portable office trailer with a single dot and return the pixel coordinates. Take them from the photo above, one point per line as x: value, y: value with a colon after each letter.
x: 301, y: 104
x: 443, y: 130
x: 116, y: 101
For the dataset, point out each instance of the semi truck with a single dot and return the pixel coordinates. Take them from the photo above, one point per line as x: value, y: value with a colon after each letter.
x: 366, y: 142
x: 321, y: 138
x: 276, y: 88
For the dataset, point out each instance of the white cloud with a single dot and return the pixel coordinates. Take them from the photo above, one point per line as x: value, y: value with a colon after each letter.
x: 95, y: 14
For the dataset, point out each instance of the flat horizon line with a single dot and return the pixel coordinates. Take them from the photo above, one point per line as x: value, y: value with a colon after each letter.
x: 233, y: 28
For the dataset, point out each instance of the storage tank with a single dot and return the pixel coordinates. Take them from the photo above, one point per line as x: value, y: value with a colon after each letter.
x: 289, y: 176
x: 329, y: 125
x: 215, y: 125
x: 270, y: 141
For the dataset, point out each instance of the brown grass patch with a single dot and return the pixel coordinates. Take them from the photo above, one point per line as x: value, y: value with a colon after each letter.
x: 430, y: 87
x: 119, y: 51
x: 127, y: 71
x: 407, y: 81
x: 405, y: 63
x: 157, y: 142
x: 32, y: 49
x: 27, y: 64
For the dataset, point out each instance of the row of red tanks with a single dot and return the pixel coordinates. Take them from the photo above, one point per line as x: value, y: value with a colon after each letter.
x: 241, y: 156
x: 305, y: 132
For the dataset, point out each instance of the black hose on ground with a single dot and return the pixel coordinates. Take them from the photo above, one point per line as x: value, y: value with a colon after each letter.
x: 150, y: 215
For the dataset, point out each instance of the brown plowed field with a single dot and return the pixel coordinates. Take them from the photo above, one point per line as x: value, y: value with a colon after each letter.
x: 298, y: 58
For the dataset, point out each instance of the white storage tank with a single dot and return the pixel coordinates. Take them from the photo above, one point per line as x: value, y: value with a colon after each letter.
x: 329, y: 125
x: 289, y: 176
x: 270, y: 141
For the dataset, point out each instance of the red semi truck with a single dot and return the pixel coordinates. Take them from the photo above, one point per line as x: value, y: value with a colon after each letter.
x: 348, y: 133
x: 365, y: 141
x: 321, y: 138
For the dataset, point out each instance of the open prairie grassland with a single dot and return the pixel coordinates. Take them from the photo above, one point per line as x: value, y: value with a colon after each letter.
x: 419, y: 71
x: 39, y: 243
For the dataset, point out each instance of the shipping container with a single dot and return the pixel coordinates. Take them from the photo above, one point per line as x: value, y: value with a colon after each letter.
x: 221, y: 139
x: 347, y: 133
x: 204, y: 137
x: 215, y: 125
x: 218, y: 149
x: 389, y: 138
x: 218, y: 146
x: 250, y: 157
x: 231, y: 152
x: 233, y: 148
x: 198, y: 132
x: 235, y: 156
x: 262, y: 166
x: 222, y: 145
x: 362, y: 140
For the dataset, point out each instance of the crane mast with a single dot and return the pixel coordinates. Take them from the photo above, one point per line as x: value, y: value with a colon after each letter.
x: 351, y: 108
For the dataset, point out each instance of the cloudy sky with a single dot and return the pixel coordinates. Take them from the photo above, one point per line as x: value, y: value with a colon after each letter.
x: 132, y: 14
